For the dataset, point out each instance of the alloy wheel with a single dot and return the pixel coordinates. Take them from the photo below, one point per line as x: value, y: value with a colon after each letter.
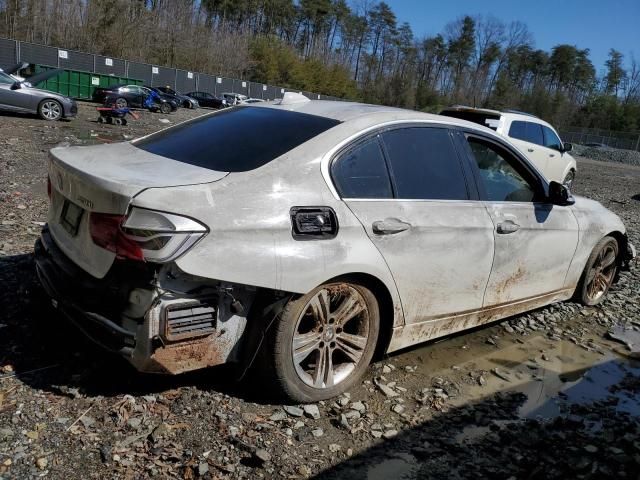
x: 601, y: 275
x: 51, y: 110
x: 330, y: 336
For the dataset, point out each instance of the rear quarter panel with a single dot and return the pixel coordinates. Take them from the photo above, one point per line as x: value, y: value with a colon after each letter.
x: 250, y: 240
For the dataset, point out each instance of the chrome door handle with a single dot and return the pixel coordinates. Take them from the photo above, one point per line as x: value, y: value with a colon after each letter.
x: 389, y: 226
x: 507, y: 227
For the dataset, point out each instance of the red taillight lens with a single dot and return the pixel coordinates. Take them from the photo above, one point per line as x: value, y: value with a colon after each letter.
x: 106, y: 233
x: 49, y: 187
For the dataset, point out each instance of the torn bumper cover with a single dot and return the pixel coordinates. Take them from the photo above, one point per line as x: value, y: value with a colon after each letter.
x: 125, y: 313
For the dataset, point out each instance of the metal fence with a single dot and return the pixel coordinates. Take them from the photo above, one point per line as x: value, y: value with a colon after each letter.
x: 14, y: 51
x: 611, y: 138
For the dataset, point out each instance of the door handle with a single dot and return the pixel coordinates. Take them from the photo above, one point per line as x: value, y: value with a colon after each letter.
x: 389, y: 226
x: 552, y: 154
x: 530, y: 150
x: 507, y: 227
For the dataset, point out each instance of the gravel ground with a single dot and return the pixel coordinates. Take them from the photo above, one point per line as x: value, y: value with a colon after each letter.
x: 548, y: 394
x: 606, y: 154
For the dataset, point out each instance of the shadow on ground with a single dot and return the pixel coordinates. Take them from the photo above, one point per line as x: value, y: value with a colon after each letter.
x: 491, y: 438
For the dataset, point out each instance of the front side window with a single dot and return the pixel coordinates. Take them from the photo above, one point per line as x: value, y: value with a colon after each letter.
x: 526, y: 131
x: 424, y: 164
x: 362, y: 172
x: 502, y: 181
x: 220, y: 141
x: 551, y: 140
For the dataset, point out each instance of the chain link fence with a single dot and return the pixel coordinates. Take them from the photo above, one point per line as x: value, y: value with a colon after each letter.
x: 610, y: 138
x: 14, y: 51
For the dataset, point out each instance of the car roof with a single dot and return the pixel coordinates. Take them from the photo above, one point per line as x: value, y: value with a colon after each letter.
x: 511, y: 114
x: 368, y: 114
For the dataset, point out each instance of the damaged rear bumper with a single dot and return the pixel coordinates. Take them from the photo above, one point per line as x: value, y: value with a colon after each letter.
x: 156, y: 331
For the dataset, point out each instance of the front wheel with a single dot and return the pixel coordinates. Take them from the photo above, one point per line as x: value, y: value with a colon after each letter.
x: 569, y: 178
x: 165, y: 108
x: 599, y: 272
x: 324, y: 341
x: 50, y: 110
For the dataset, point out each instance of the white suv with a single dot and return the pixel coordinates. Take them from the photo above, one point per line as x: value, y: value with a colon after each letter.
x: 537, y: 139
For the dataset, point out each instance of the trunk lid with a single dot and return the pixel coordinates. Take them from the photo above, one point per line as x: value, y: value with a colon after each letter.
x: 104, y: 179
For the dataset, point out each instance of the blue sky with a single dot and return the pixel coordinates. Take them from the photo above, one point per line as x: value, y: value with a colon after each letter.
x: 595, y: 24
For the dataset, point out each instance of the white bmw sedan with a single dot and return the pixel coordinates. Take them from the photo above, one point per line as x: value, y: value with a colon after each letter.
x: 309, y: 235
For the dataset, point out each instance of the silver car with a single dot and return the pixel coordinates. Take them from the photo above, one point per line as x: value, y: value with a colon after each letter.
x: 22, y: 97
x: 328, y: 232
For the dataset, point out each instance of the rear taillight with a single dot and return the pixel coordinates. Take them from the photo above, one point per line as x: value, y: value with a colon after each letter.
x: 145, y: 234
x: 107, y: 233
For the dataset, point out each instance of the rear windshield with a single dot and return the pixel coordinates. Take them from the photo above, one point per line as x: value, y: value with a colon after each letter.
x: 481, y: 118
x: 238, y: 139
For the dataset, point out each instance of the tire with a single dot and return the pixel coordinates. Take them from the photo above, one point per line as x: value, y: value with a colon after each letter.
x: 50, y: 110
x: 569, y: 178
x: 599, y: 272
x: 101, y: 119
x: 301, y: 377
x: 117, y: 121
x: 121, y: 102
x: 165, y: 108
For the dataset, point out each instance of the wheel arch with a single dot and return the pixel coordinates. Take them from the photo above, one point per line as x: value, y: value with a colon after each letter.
x: 622, y: 240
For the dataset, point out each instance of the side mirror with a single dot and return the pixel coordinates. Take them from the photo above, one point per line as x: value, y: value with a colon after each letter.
x: 560, y: 194
x: 15, y: 86
x: 567, y: 147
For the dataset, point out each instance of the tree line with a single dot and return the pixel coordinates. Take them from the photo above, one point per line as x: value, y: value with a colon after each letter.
x: 357, y: 50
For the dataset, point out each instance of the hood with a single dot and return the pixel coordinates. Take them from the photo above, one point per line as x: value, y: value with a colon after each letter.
x: 16, y: 68
x: 43, y: 76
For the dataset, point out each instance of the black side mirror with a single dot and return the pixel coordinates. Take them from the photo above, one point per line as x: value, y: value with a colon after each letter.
x: 15, y: 86
x: 567, y: 147
x: 559, y: 194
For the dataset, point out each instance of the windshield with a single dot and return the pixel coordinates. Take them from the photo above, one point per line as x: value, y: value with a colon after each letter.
x: 237, y: 139
x: 4, y: 78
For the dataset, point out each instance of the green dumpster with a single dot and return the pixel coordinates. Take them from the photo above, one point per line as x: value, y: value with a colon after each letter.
x: 80, y: 85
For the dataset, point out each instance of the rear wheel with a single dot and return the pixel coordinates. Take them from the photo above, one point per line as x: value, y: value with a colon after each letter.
x: 324, y: 341
x: 599, y: 272
x: 121, y: 102
x: 165, y: 108
x: 50, y: 110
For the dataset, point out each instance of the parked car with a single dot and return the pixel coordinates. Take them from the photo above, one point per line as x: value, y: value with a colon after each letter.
x: 132, y: 96
x: 206, y: 99
x: 184, y: 100
x: 234, y: 98
x: 22, y: 97
x: 332, y: 230
x: 536, y: 138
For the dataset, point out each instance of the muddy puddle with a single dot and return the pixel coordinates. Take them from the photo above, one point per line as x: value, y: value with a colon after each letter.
x: 553, y: 375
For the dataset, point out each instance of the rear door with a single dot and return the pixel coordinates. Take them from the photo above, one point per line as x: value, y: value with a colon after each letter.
x: 534, y: 240
x: 528, y: 137
x: 408, y: 188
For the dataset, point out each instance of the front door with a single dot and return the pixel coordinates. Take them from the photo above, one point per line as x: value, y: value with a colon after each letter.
x: 415, y: 204
x: 534, y: 240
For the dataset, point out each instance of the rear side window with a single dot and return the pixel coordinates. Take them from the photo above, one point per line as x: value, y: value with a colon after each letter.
x: 362, y: 172
x: 424, y: 164
x: 527, y: 131
x: 238, y: 139
x: 551, y: 140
